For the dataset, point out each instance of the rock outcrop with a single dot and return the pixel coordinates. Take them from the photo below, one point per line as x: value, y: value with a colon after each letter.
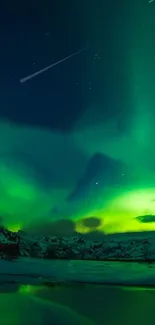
x: 111, y: 248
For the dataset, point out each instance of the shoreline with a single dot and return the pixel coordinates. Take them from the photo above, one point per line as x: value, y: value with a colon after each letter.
x: 41, y: 271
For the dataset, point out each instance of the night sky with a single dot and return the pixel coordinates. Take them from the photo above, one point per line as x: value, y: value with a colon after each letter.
x: 77, y: 141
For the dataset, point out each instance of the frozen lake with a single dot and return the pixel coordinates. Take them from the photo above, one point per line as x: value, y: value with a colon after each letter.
x: 28, y: 270
x: 76, y: 304
x: 28, y: 294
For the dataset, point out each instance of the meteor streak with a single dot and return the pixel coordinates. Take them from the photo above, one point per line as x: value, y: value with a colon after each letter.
x: 49, y: 67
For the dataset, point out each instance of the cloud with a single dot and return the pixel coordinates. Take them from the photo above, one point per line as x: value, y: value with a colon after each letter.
x: 92, y: 222
x: 55, y: 228
x: 100, y: 173
x: 146, y: 218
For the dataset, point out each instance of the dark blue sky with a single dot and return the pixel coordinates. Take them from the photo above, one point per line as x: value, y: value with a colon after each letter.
x: 34, y: 34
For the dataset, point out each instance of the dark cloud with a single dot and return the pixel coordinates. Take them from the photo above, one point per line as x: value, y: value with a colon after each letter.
x: 101, y: 171
x: 56, y: 228
x: 146, y: 218
x: 92, y: 222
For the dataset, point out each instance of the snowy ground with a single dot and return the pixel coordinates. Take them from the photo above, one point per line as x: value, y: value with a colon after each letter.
x: 38, y: 271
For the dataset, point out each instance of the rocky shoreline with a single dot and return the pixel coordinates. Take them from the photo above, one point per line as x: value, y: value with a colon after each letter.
x: 111, y: 248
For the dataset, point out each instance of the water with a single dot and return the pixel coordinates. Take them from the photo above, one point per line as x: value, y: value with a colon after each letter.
x: 76, y: 305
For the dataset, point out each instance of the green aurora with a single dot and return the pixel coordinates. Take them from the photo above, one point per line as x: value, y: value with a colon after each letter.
x: 25, y: 199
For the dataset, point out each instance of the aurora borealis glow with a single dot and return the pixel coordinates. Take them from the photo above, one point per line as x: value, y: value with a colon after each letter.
x: 27, y: 198
x: 81, y: 143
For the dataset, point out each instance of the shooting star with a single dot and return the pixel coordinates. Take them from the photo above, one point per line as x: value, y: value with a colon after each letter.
x: 49, y: 67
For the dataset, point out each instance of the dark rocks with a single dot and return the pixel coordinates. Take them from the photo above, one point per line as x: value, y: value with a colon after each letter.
x: 120, y: 248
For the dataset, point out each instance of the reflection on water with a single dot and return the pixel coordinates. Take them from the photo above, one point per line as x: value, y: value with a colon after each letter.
x: 76, y: 305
